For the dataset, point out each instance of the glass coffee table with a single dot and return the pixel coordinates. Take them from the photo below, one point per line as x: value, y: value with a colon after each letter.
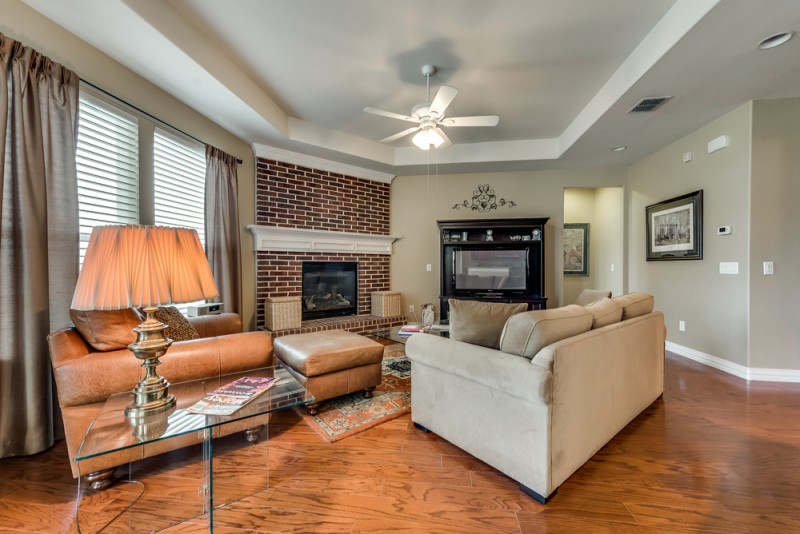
x: 203, y: 473
x: 393, y: 333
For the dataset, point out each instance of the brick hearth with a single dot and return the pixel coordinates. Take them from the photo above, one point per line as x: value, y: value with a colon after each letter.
x: 354, y: 323
x: 293, y: 196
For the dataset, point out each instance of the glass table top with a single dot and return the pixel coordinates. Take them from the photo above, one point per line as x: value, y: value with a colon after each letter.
x: 393, y: 333
x: 112, y: 431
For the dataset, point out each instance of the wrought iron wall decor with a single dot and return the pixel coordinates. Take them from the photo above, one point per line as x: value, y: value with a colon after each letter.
x: 483, y: 200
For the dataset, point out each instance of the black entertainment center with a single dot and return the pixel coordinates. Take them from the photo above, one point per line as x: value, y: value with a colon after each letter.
x: 492, y: 260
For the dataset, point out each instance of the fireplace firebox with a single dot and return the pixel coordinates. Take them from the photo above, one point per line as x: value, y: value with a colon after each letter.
x: 330, y: 289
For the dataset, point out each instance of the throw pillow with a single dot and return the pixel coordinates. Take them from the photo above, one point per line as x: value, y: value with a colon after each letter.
x: 605, y: 311
x: 635, y: 304
x: 480, y: 323
x: 178, y: 327
x: 106, y: 329
x: 528, y: 333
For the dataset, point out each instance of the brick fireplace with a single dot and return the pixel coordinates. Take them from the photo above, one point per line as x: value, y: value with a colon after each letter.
x: 314, y: 201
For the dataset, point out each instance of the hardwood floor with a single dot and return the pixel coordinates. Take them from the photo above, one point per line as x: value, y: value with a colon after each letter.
x: 715, y: 455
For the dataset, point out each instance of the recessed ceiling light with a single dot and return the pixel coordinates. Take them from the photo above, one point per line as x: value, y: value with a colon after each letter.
x: 775, y: 40
x: 619, y: 148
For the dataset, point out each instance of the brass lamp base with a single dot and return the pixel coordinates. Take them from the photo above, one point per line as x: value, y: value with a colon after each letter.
x: 151, y: 395
x: 150, y: 426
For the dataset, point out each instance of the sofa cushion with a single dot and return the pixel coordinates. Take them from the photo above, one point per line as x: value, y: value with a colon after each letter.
x: 480, y: 323
x: 605, y: 312
x: 106, y: 330
x: 635, y: 304
x: 590, y: 296
x: 178, y: 327
x: 527, y: 333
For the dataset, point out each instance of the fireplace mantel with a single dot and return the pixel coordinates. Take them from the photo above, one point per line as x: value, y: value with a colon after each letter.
x: 276, y: 238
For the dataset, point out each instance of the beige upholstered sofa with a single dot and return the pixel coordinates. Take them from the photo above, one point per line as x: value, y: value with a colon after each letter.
x: 548, y: 392
x: 95, y: 364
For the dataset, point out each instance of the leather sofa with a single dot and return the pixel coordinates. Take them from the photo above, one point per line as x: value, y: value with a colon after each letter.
x: 558, y: 385
x: 85, y: 376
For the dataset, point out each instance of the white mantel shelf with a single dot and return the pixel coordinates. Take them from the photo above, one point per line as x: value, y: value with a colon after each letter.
x: 276, y: 238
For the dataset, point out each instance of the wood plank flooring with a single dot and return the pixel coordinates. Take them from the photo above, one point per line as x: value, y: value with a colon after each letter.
x: 715, y: 455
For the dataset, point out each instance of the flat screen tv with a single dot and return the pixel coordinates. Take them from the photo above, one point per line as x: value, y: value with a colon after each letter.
x: 475, y: 270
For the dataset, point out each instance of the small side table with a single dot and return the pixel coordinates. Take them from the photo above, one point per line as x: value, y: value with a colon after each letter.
x: 112, y: 433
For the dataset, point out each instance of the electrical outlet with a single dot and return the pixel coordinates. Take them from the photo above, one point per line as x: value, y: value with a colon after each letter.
x: 682, y: 326
x: 429, y: 267
x: 410, y: 308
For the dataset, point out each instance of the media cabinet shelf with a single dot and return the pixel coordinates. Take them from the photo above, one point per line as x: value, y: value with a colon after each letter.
x: 474, y: 251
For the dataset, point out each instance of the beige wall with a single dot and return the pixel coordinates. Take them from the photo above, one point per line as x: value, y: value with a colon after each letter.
x: 775, y: 220
x: 417, y: 202
x: 603, y: 209
x: 714, y: 306
x: 32, y: 29
x: 609, y: 239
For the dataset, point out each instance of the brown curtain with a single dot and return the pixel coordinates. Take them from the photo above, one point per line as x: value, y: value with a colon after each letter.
x: 39, y: 231
x: 222, y: 226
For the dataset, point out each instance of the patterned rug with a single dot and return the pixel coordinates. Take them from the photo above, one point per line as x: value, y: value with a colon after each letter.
x: 350, y: 414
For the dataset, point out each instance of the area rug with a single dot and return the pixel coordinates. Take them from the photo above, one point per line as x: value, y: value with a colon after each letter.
x: 350, y: 414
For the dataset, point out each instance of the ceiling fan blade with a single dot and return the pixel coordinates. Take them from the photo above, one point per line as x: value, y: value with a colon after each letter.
x: 390, y: 114
x: 443, y: 97
x: 482, y: 120
x: 399, y: 135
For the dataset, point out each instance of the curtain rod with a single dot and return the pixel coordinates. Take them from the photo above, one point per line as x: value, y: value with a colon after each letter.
x: 143, y: 112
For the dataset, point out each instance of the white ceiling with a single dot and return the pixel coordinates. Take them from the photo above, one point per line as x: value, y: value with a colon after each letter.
x: 561, y: 74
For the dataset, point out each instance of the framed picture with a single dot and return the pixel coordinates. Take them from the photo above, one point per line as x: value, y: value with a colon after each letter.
x: 675, y: 228
x: 576, y: 249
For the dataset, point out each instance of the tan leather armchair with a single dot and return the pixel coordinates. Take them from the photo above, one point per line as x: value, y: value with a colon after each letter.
x: 85, y: 378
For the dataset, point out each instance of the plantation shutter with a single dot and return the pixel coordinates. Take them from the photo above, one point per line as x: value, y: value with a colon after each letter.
x: 179, y: 174
x: 179, y: 177
x: 108, y: 167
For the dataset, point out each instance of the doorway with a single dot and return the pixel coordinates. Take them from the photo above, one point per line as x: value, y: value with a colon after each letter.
x: 601, y: 209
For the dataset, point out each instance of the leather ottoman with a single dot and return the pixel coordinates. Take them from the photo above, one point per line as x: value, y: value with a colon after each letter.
x: 331, y: 363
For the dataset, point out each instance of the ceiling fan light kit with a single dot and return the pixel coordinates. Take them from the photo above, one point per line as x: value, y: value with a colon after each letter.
x: 429, y: 116
x: 425, y: 138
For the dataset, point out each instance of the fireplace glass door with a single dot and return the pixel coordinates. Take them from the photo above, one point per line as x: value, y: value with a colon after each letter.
x: 330, y: 289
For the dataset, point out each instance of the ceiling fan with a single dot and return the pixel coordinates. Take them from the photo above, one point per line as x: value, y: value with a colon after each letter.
x: 430, y: 117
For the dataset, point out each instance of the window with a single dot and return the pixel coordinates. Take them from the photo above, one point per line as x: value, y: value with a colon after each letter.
x: 179, y: 182
x: 108, y: 167
x: 115, y: 187
x: 179, y: 177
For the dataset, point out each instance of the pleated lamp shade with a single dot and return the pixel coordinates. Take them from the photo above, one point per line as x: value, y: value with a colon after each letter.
x: 136, y: 266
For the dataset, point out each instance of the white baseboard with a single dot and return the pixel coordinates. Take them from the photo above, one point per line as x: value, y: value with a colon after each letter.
x: 766, y: 375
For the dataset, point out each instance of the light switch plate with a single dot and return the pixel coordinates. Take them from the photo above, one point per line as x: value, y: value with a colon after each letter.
x: 729, y: 267
x: 769, y: 267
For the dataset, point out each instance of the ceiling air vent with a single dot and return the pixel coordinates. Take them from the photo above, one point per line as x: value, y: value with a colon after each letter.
x: 649, y: 104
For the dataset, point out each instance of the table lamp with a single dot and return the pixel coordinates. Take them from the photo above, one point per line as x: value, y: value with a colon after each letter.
x: 144, y: 267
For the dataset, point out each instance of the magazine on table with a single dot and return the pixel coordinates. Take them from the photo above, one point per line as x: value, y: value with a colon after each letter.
x: 227, y: 399
x: 409, y: 329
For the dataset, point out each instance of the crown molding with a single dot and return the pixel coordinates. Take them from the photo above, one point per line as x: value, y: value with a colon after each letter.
x: 314, y: 162
x: 277, y: 238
